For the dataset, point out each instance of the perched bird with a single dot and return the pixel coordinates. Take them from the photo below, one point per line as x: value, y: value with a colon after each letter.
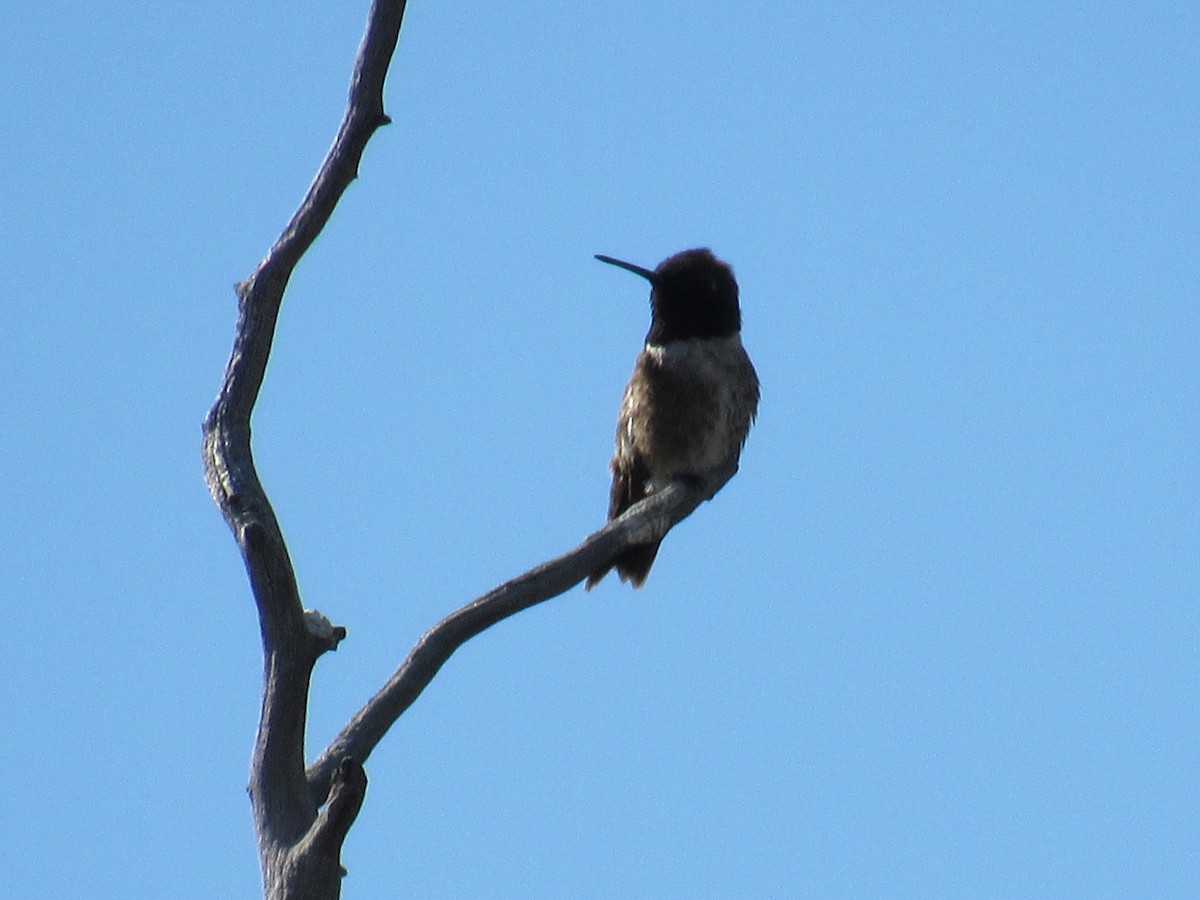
x: 688, y: 406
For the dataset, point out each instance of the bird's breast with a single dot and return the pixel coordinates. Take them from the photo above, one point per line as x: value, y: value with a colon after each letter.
x: 688, y: 406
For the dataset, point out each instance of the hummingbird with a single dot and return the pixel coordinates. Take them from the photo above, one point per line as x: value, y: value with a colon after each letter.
x: 693, y: 394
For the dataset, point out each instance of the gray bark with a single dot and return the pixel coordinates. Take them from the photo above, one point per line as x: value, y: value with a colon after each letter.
x: 302, y: 815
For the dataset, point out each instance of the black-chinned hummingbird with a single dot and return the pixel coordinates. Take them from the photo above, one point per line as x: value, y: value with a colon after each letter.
x: 693, y: 394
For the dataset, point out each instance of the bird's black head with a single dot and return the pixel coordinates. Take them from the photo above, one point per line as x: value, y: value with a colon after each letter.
x: 694, y: 295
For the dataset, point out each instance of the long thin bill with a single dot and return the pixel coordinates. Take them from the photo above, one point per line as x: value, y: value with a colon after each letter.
x: 629, y: 267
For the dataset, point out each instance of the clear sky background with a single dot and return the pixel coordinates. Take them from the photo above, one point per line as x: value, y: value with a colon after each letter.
x: 939, y: 637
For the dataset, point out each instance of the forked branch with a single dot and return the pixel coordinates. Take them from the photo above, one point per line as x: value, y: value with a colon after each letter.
x: 301, y: 817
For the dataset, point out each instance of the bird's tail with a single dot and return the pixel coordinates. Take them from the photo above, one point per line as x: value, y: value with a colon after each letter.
x: 632, y: 565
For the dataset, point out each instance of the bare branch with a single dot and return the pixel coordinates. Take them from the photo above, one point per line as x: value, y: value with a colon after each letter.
x: 302, y: 818
x: 648, y: 520
x: 283, y: 809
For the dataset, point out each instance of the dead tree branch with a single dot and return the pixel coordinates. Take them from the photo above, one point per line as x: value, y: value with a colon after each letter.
x: 302, y: 817
x: 300, y: 852
x: 643, y: 523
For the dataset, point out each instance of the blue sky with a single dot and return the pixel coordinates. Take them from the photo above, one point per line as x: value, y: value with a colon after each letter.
x: 937, y: 639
